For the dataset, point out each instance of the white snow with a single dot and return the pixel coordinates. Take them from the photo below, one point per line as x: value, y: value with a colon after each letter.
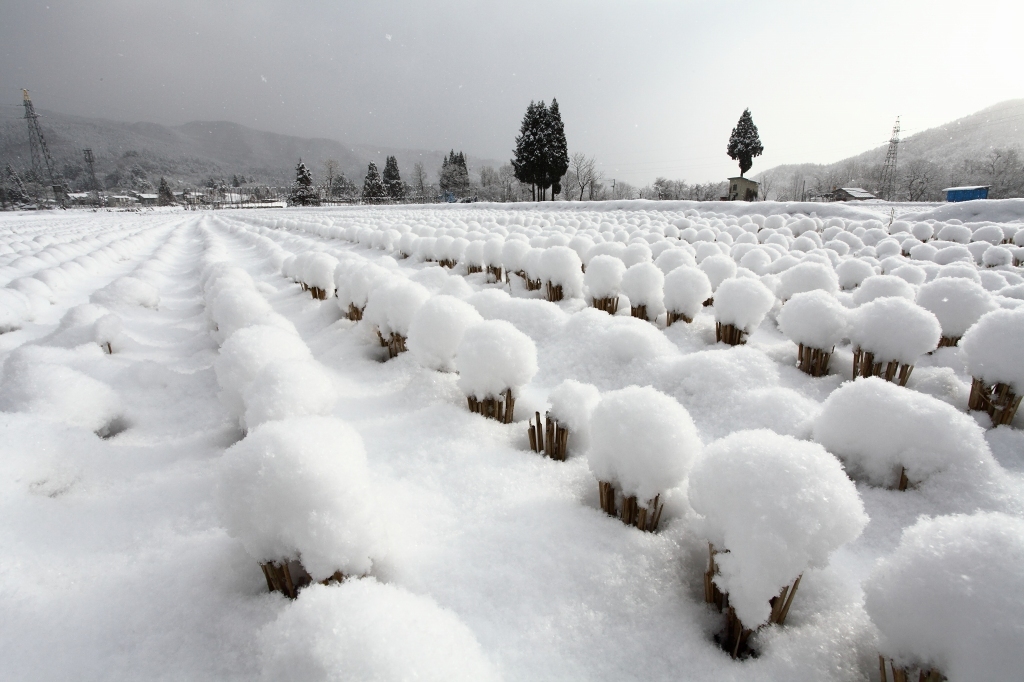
x: 743, y: 303
x: 994, y: 349
x: 773, y: 506
x: 951, y: 596
x: 494, y: 356
x: 894, y: 328
x: 815, y: 319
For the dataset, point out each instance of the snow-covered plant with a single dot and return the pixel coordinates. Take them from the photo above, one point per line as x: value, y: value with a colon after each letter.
x: 889, y: 335
x: 361, y: 282
x: 852, y: 273
x: 288, y: 388
x: 563, y: 272
x: 317, y: 272
x: 492, y: 256
x: 741, y: 304
x: 950, y: 600
x: 390, y: 308
x: 513, y: 257
x: 246, y: 353
x: 296, y: 493
x: 718, y: 268
x: 816, y: 322
x: 807, y: 277
x: 686, y: 289
x: 895, y: 437
x: 604, y: 281
x: 957, y: 303
x: 572, y: 404
x: 436, y: 331
x: 883, y: 286
x: 994, y: 351
x: 532, y: 272
x: 367, y: 630
x: 474, y: 257
x: 494, y: 359
x: 644, y: 285
x: 772, y: 507
x: 643, y: 444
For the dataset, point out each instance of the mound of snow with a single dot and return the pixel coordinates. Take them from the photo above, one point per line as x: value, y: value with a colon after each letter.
x: 743, y: 303
x: 494, y: 356
x: 686, y: 288
x: 642, y: 440
x: 894, y: 328
x: 127, y: 291
x: 561, y: 266
x: 994, y: 349
x: 951, y: 596
x: 853, y: 272
x: 436, y: 331
x: 604, y: 276
x: 288, y: 388
x: 644, y: 284
x: 299, y: 489
x: 883, y: 286
x: 807, y: 277
x: 815, y: 319
x: 366, y: 630
x: 572, y: 406
x: 779, y: 506
x: 876, y: 427
x: 957, y: 303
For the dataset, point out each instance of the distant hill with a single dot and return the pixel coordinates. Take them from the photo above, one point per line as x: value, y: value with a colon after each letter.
x: 189, y: 154
x: 946, y: 152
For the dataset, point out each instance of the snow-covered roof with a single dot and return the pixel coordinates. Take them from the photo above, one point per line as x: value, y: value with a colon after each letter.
x: 80, y: 195
x: 147, y: 196
x: 966, y: 187
x: 858, y: 193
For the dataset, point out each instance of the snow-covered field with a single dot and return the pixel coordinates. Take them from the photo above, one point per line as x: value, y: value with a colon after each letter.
x: 176, y: 407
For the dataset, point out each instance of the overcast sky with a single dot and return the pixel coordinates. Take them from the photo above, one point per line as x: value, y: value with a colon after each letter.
x: 649, y: 88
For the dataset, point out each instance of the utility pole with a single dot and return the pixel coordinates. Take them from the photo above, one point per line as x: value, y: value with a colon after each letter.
x: 89, y: 163
x: 888, y: 184
x: 38, y: 150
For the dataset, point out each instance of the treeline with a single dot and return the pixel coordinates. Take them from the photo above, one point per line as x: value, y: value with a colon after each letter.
x: 917, y: 179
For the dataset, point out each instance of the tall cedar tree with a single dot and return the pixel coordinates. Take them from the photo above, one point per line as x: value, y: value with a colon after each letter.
x: 744, y: 143
x: 557, y: 158
x: 164, y: 195
x: 393, y: 184
x: 541, y: 154
x: 373, y: 185
x: 302, y: 192
x: 454, y: 176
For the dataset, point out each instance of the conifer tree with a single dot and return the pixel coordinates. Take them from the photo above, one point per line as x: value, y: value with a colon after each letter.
x: 527, y: 164
x: 164, y: 195
x: 373, y: 185
x: 744, y: 142
x: 557, y: 157
x: 454, y: 176
x: 393, y: 184
x: 303, y: 192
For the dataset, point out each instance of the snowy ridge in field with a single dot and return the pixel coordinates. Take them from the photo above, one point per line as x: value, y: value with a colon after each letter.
x: 155, y: 365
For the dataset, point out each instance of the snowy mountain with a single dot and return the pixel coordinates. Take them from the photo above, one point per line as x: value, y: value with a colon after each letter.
x: 195, y: 151
x: 950, y: 146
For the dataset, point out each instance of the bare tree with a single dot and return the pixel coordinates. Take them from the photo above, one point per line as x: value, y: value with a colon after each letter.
x: 766, y: 184
x: 585, y: 170
x: 330, y: 173
x: 419, y: 179
x: 918, y: 179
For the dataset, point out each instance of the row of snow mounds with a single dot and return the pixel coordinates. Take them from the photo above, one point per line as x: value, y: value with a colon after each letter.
x: 26, y: 297
x: 60, y: 376
x: 297, y: 488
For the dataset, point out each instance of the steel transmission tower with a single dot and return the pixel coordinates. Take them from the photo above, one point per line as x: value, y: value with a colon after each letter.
x: 38, y: 150
x: 888, y: 184
x: 89, y: 163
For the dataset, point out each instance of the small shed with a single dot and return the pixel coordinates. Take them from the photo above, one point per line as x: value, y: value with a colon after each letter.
x: 742, y: 189
x: 967, y: 193
x: 147, y: 199
x: 851, y: 194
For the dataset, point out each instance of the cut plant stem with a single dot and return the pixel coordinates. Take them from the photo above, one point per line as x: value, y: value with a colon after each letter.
x: 813, y: 361
x: 864, y: 365
x: 500, y: 409
x: 355, y: 314
x: 730, y: 334
x: 289, y: 577
x: 903, y: 674
x: 999, y: 401
x: 948, y: 341
x: 473, y: 269
x: 673, y: 317
x: 554, y: 292
x: 639, y: 311
x: 609, y: 304
x: 495, y: 272
x: 551, y: 440
x: 646, y: 518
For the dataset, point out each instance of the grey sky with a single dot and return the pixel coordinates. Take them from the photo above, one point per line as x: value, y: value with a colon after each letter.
x: 649, y: 88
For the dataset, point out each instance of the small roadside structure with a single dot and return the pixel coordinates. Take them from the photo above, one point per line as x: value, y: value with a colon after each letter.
x: 966, y: 193
x: 851, y: 194
x: 742, y: 189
